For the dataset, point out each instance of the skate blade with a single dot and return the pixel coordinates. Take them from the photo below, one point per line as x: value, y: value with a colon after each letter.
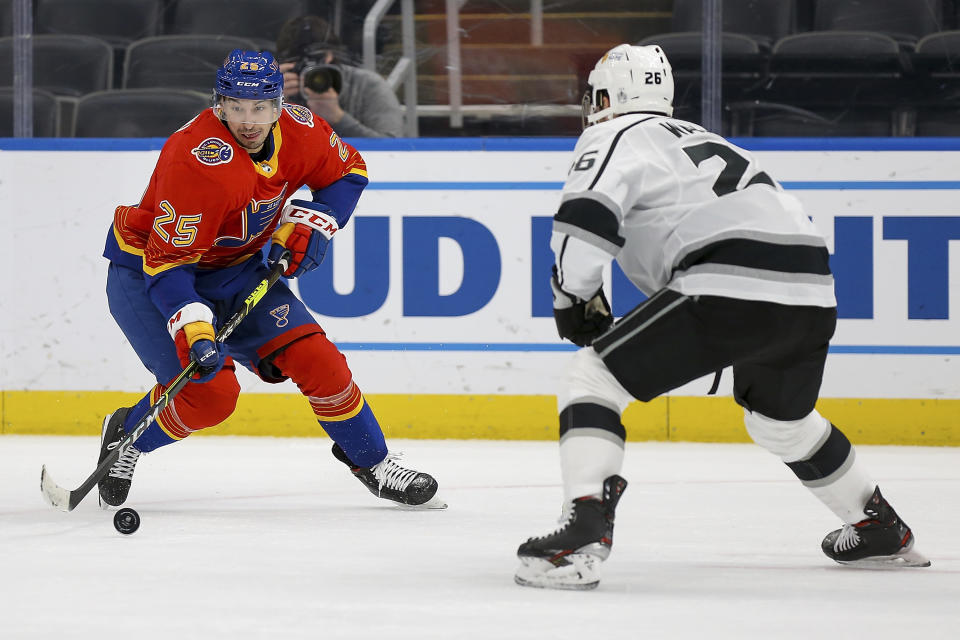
x: 905, y: 558
x: 582, y: 574
x: 106, y: 506
x: 433, y: 504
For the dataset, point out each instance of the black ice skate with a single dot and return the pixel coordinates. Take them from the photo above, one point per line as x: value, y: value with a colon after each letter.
x: 570, y: 557
x: 882, y: 539
x: 115, y: 486
x: 390, y: 481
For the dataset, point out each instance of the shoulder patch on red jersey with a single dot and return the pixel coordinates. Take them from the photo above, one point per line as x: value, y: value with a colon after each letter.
x: 300, y: 114
x: 213, y: 151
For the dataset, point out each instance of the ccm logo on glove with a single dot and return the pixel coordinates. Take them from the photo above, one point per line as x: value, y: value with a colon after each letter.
x: 305, y: 229
x: 323, y: 223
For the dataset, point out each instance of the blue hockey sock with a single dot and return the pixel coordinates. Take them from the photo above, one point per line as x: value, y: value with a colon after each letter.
x: 359, y: 436
x: 154, y: 436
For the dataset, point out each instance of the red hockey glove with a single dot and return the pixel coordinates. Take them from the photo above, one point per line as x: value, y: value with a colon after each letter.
x: 196, y: 340
x: 305, y: 229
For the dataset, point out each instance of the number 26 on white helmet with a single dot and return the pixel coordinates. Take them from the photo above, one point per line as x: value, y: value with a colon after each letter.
x: 629, y: 79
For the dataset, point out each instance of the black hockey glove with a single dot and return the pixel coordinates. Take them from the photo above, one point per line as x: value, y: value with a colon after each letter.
x: 579, y: 321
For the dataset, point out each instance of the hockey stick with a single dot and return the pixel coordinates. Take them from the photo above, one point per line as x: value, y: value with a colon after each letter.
x: 66, y: 500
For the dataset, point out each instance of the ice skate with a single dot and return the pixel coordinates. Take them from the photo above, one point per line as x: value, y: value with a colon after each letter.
x: 115, y: 486
x: 880, y: 540
x: 570, y: 557
x: 390, y: 481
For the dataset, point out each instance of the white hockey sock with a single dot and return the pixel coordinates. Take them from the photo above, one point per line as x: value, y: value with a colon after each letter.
x: 846, y: 489
x: 587, y: 458
x: 848, y: 492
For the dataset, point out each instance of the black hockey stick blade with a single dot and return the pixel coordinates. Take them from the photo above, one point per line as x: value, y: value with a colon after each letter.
x: 67, y: 500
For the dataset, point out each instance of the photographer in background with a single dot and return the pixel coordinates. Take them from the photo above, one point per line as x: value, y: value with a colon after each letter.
x: 355, y: 102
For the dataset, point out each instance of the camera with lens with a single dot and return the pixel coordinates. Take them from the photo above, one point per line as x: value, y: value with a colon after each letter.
x: 317, y: 75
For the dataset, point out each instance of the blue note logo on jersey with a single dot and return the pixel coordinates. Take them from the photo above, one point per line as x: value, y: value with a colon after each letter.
x: 281, y: 313
x: 300, y: 114
x: 213, y: 151
x: 246, y: 226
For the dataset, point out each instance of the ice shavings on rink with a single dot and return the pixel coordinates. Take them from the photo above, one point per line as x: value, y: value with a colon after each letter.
x: 273, y: 538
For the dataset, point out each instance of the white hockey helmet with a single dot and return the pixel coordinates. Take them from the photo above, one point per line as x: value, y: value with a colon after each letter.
x: 634, y: 79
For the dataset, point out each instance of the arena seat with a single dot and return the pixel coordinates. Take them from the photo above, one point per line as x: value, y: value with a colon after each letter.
x: 119, y: 22
x: 257, y: 20
x: 136, y: 113
x: 836, y: 69
x: 45, y: 113
x: 938, y: 54
x: 66, y: 65
x: 6, y: 18
x: 837, y: 52
x: 764, y: 21
x: 181, y: 61
x: 936, y: 82
x: 941, y: 121
x: 904, y: 20
x: 767, y: 119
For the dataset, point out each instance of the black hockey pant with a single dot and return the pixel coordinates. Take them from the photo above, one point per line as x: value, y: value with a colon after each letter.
x: 777, y: 351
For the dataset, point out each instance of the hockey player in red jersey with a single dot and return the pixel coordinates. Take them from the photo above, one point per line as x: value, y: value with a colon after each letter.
x: 735, y: 274
x: 189, y: 252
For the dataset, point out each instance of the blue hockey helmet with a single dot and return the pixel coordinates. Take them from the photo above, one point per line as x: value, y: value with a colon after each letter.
x: 250, y: 75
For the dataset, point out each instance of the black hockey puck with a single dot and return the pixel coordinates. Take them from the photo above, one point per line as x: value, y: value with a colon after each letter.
x: 126, y: 521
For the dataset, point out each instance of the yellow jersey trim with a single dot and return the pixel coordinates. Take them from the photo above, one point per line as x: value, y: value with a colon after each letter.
x: 126, y: 248
x: 268, y: 169
x: 152, y: 271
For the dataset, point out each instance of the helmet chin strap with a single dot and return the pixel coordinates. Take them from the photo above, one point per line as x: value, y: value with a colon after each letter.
x: 604, y: 112
x: 599, y: 116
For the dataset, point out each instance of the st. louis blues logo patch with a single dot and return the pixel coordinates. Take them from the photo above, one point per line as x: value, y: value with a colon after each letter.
x: 213, y: 151
x: 300, y: 114
x: 244, y: 226
x: 280, y: 313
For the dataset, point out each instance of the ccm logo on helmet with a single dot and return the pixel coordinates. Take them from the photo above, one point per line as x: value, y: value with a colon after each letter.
x: 249, y: 84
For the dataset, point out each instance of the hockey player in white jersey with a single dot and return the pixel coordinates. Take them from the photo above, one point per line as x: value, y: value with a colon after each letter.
x: 735, y: 274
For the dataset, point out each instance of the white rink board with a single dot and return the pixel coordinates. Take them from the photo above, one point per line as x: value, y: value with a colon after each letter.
x: 57, y: 333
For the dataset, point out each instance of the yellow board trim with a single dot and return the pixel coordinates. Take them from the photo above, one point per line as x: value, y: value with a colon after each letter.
x: 496, y: 417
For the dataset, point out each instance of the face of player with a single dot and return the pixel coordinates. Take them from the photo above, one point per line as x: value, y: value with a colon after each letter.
x: 605, y: 104
x: 249, y: 121
x: 587, y: 109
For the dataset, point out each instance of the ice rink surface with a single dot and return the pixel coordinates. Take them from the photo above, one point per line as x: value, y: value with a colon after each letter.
x: 273, y: 538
